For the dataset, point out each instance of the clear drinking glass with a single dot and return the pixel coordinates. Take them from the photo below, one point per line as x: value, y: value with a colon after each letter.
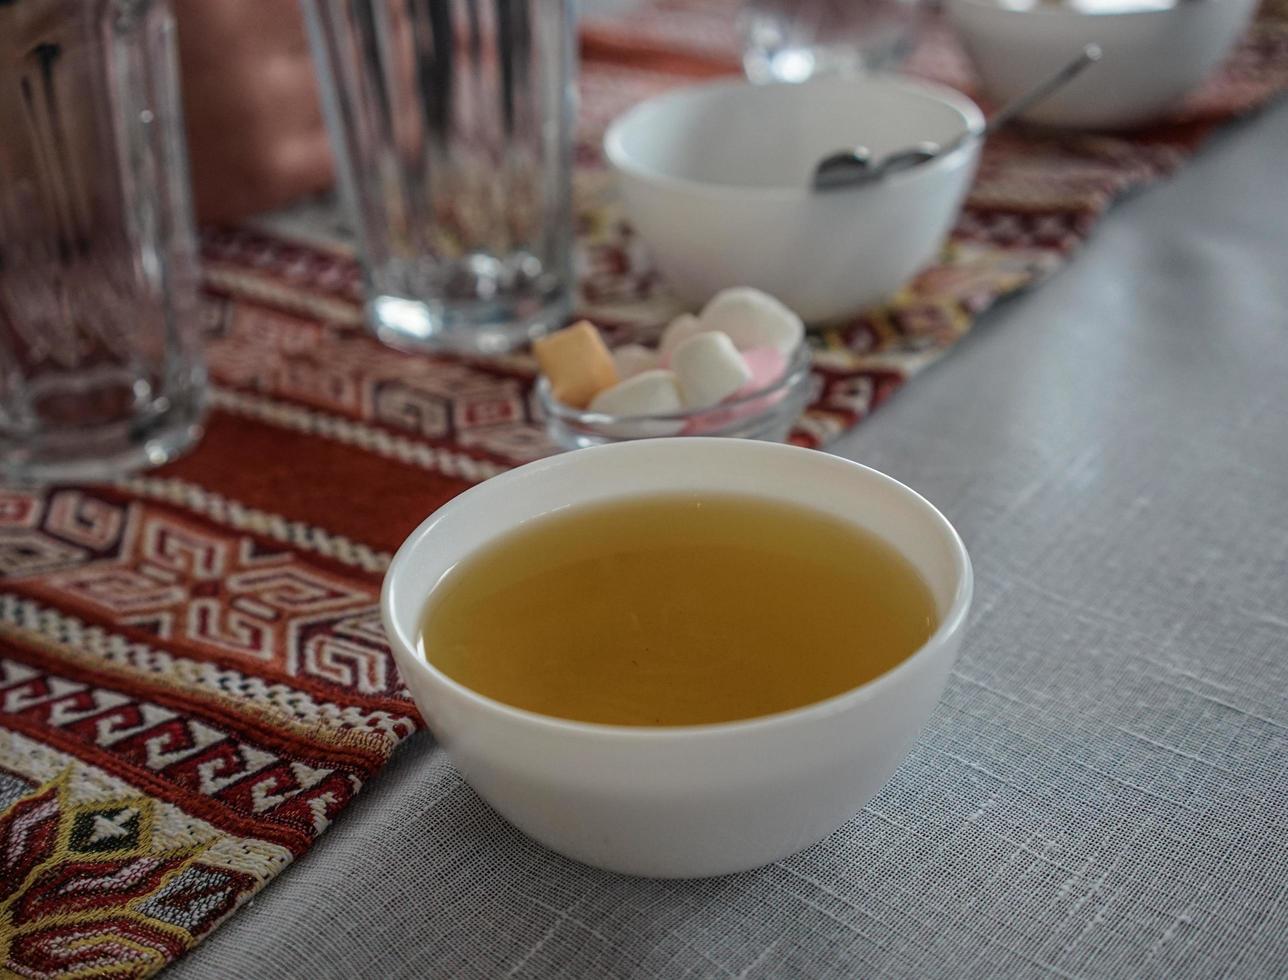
x: 451, y: 122
x: 792, y: 40
x: 100, y: 363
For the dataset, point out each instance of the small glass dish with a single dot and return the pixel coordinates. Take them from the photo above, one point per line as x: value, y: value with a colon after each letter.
x: 767, y: 414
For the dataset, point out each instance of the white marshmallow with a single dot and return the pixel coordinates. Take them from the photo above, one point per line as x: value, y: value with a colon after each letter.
x: 677, y: 332
x: 709, y: 369
x: 653, y: 392
x: 633, y: 359
x: 753, y: 319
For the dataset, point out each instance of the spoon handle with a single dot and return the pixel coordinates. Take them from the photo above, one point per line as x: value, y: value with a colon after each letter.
x: 1090, y: 54
x: 854, y: 168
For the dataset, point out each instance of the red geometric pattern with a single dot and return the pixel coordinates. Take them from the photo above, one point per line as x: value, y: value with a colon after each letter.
x: 220, y: 772
x: 207, y: 593
x: 193, y: 677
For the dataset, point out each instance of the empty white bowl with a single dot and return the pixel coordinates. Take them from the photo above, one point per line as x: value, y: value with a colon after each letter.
x: 1153, y: 53
x: 716, y: 178
x: 681, y: 801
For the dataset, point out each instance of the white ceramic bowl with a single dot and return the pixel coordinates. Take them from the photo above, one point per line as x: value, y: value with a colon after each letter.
x: 1152, y: 57
x: 684, y: 801
x: 717, y: 180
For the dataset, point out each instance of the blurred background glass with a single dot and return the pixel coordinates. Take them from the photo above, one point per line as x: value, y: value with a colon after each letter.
x: 792, y: 40
x: 100, y: 363
x: 452, y: 127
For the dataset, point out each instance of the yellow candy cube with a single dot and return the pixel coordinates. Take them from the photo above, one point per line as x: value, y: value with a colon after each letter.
x: 576, y: 362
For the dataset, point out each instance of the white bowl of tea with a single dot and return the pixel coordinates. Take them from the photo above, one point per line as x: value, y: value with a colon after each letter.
x: 679, y: 657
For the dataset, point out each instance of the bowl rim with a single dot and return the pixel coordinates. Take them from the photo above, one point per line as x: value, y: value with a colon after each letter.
x: 1064, y: 11
x: 616, y: 154
x: 795, y: 372
x: 952, y: 622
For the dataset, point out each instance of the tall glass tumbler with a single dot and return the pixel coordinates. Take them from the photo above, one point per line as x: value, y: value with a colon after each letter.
x: 451, y: 122
x: 793, y: 40
x: 100, y: 358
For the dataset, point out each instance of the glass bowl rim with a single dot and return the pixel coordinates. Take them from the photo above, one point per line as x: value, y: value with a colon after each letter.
x: 796, y: 372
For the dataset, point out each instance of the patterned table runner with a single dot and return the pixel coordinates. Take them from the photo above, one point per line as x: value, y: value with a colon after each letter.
x: 193, y: 676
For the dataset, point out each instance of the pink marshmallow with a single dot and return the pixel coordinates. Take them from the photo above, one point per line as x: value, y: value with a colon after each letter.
x: 766, y: 364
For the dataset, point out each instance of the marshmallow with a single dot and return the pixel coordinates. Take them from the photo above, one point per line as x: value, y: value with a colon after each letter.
x: 653, y: 392
x: 632, y: 359
x: 677, y: 332
x: 709, y: 369
x: 576, y: 363
x: 753, y: 319
x: 767, y: 365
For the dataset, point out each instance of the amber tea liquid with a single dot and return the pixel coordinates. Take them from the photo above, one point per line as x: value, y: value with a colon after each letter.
x: 678, y: 609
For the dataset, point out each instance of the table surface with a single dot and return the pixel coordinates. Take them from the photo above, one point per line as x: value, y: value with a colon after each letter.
x: 1103, y: 789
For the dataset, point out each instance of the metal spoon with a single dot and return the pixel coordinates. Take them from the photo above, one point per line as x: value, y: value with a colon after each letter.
x: 855, y: 167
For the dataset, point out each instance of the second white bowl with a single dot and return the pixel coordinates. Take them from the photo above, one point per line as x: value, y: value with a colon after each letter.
x: 1154, y: 53
x: 716, y: 178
